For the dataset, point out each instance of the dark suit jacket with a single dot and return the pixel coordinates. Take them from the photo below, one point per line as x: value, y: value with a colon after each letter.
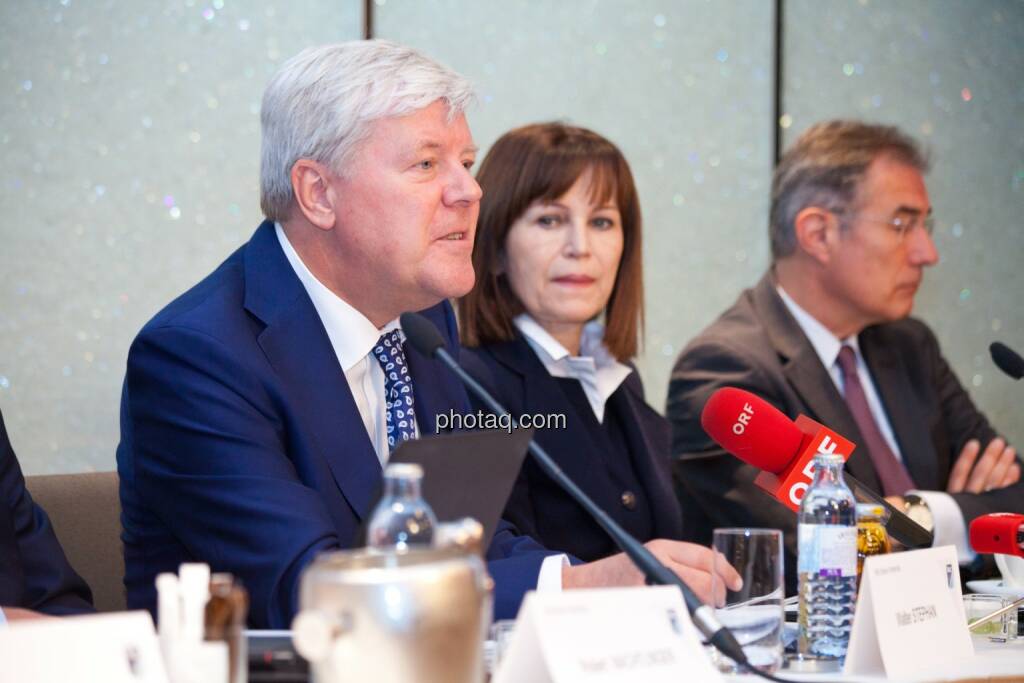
x: 514, y: 374
x: 758, y: 346
x: 34, y: 573
x: 241, y: 445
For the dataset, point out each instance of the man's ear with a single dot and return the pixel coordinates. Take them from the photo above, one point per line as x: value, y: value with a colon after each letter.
x: 314, y: 195
x: 817, y: 231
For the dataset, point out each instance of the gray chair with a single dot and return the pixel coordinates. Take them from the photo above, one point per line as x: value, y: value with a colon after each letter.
x: 86, y: 513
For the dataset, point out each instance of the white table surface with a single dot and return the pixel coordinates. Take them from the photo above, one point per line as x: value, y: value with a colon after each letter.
x: 997, y: 660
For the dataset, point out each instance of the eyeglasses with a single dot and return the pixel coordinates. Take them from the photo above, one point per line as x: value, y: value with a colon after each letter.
x: 904, y: 221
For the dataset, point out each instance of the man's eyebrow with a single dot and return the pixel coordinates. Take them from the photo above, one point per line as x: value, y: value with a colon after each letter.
x: 913, y: 210
x: 433, y: 145
x: 427, y: 145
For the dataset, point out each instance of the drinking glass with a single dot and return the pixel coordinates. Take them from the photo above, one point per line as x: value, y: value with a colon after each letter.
x: 755, y: 612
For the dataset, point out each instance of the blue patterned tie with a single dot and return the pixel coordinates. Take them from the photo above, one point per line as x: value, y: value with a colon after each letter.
x: 397, y: 388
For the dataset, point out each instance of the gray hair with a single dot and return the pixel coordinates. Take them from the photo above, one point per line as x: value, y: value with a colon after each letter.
x: 321, y: 103
x: 825, y: 167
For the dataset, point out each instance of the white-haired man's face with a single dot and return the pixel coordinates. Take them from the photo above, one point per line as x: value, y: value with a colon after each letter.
x: 407, y: 213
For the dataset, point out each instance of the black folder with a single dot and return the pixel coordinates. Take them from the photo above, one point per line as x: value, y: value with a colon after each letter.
x: 465, y: 474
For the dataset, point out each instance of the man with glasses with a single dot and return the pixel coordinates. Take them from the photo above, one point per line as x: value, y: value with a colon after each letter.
x: 826, y: 333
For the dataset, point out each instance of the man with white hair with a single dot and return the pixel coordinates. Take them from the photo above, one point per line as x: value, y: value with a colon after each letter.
x: 256, y: 414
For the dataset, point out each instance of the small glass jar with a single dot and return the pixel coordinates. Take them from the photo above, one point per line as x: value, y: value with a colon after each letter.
x: 871, y: 536
x: 1001, y: 628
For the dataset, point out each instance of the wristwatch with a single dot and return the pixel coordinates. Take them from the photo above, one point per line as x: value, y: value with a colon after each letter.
x: 916, y: 507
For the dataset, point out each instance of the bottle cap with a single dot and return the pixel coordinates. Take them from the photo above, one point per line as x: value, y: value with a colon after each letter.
x: 870, y: 511
x: 404, y: 470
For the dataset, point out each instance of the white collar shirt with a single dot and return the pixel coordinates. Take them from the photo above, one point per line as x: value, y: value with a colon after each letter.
x: 596, y: 369
x: 352, y: 337
x: 950, y: 528
x: 827, y: 346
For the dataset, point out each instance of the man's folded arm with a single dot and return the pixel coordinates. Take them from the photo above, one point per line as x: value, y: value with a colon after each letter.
x: 964, y: 422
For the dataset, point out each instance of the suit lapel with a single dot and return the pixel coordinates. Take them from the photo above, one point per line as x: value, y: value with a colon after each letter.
x: 903, y: 409
x: 649, y: 440
x: 436, y: 388
x: 808, y: 377
x: 542, y: 395
x: 296, y: 345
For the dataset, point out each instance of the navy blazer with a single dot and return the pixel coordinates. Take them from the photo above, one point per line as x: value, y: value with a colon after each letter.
x: 241, y: 445
x: 514, y: 374
x: 34, y: 573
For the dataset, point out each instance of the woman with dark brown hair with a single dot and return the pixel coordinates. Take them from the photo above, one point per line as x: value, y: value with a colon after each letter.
x: 558, y: 248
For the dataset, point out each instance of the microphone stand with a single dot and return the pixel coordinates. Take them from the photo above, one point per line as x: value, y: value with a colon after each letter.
x: 426, y: 339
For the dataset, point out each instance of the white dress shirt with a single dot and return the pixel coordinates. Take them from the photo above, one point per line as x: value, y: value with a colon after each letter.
x: 950, y: 528
x: 353, y: 337
x: 596, y: 369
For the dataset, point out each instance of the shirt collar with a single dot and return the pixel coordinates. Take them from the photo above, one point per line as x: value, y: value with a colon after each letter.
x: 595, y: 368
x: 825, y: 344
x: 352, y: 334
x: 539, y: 338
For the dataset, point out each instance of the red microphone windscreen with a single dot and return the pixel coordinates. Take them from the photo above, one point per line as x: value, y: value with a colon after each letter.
x: 752, y: 429
x: 996, y: 533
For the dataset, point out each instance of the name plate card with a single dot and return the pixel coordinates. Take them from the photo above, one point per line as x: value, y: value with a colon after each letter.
x: 103, y: 648
x: 910, y: 616
x: 609, y: 635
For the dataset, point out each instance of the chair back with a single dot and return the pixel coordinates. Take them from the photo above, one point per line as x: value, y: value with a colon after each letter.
x: 85, y: 510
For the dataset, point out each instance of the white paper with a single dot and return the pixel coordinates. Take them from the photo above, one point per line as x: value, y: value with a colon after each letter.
x: 909, y: 606
x: 608, y: 635
x: 103, y: 648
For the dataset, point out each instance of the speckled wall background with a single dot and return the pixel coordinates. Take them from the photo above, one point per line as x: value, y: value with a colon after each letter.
x: 950, y: 73
x: 130, y: 140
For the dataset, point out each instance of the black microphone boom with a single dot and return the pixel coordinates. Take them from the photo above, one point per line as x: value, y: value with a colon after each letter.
x: 426, y: 339
x: 1007, y: 360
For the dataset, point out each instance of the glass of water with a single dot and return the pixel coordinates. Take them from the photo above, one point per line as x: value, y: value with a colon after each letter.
x: 754, y: 613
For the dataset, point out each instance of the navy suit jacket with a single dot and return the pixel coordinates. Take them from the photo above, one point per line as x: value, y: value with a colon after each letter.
x: 538, y: 507
x: 34, y: 573
x: 241, y: 445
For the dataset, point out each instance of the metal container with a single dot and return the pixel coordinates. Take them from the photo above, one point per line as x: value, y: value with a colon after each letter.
x: 416, y: 615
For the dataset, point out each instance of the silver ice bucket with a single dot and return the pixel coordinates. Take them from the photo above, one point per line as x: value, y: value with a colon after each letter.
x: 415, y: 615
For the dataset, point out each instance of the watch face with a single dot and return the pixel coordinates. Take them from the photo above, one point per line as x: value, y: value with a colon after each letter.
x: 922, y: 515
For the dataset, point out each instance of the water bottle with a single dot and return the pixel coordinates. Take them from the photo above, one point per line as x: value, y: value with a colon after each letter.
x: 827, y: 562
x: 402, y: 518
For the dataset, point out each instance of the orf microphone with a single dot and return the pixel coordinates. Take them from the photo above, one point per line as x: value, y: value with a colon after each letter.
x: 425, y: 338
x: 760, y: 434
x: 1007, y: 360
x: 999, y: 532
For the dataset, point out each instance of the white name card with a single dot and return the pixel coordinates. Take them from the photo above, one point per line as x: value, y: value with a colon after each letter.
x: 910, y: 616
x: 103, y: 648
x: 609, y: 635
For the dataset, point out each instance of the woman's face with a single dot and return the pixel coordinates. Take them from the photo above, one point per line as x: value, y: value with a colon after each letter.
x: 561, y: 258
